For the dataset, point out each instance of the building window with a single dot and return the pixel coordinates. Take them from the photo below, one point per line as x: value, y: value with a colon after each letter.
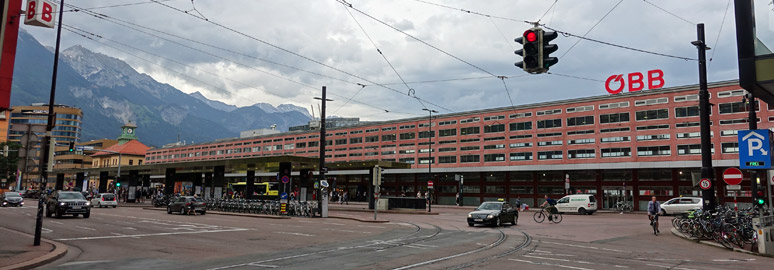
x: 653, y: 137
x: 580, y: 121
x: 581, y: 153
x: 426, y: 160
x: 447, y: 149
x: 687, y: 111
x: 692, y: 149
x: 470, y: 140
x: 371, y: 139
x: 470, y: 130
x: 580, y: 132
x: 522, y: 136
x: 407, y: 151
x: 550, y: 123
x: 470, y: 158
x: 547, y: 155
x: 493, y: 118
x: 341, y: 141
x: 645, y: 151
x: 520, y: 126
x: 426, y: 134
x: 131, y: 162
x: 520, y: 156
x: 494, y: 128
x: 729, y: 147
x: 520, y: 145
x: 735, y: 107
x: 447, y: 159
x: 520, y: 115
x: 580, y: 141
x: 447, y: 132
x: 652, y: 114
x: 553, y: 134
x: 615, y: 105
x: 616, y: 152
x: 470, y: 148
x: 390, y: 152
x: 614, y: 118
x: 615, y: 139
x: 407, y: 160
x: 550, y: 143
x: 580, y: 109
x: 653, y: 101
x: 549, y: 112
x: 494, y: 146
x: 494, y: 157
x: 408, y: 136
x: 355, y: 140
x: 735, y: 121
x: 611, y: 130
x: 388, y: 138
x: 652, y: 127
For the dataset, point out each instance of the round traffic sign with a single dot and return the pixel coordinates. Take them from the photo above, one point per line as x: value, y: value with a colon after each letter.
x: 732, y: 176
x: 705, y: 184
x: 430, y: 184
x: 285, y: 179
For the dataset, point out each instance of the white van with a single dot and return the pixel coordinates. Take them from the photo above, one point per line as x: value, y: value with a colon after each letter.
x: 578, y: 203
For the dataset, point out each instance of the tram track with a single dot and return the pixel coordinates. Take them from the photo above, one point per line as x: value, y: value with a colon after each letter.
x: 527, y: 241
x: 496, y: 243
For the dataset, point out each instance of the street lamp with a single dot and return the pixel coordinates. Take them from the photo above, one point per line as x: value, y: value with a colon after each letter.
x: 430, y: 156
x: 322, y: 154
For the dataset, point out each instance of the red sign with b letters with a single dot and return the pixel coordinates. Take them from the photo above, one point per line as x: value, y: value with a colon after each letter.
x: 615, y: 84
x: 40, y: 13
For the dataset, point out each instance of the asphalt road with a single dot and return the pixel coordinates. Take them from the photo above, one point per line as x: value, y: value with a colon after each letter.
x: 133, y: 238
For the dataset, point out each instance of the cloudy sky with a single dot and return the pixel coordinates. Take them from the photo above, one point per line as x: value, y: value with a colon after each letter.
x: 282, y: 51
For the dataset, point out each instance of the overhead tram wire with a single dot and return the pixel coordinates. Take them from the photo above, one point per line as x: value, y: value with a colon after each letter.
x: 549, y: 9
x: 348, y: 5
x: 670, y: 13
x: 592, y: 28
x: 383, y: 56
x: 126, y: 24
x: 719, y: 32
x: 83, y: 33
x: 559, y: 31
x: 297, y: 54
x: 457, y: 79
x: 574, y: 77
x: 113, y: 6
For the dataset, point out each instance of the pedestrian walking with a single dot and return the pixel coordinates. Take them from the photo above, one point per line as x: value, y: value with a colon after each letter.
x: 344, y: 198
x: 419, y: 194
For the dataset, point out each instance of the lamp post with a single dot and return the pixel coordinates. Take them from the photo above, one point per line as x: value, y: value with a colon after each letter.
x: 430, y: 156
x: 322, y: 153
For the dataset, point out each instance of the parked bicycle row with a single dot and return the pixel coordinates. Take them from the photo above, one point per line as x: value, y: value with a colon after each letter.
x: 724, y: 225
x: 265, y: 207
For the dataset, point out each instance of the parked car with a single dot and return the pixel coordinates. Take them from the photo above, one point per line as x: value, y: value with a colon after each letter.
x: 61, y: 203
x: 681, y: 205
x: 184, y: 203
x: 494, y: 213
x: 104, y: 200
x: 11, y: 198
x: 31, y: 193
x: 584, y: 204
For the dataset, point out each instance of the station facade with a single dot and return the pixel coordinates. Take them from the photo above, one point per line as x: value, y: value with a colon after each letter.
x: 623, y: 147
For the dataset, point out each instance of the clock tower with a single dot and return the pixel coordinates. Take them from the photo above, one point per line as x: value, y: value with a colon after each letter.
x: 128, y: 133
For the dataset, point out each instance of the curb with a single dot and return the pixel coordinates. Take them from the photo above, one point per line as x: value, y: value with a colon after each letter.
x: 712, y: 243
x: 58, y: 251
x: 360, y: 220
x: 409, y: 212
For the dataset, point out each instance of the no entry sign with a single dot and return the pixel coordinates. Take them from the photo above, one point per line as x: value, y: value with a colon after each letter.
x: 732, y: 176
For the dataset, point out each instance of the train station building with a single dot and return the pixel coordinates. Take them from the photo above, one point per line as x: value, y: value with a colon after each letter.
x: 627, y: 146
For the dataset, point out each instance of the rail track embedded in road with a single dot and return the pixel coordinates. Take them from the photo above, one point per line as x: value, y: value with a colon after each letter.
x: 498, y: 242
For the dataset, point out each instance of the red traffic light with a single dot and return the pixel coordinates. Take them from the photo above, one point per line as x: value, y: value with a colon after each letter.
x: 530, y: 36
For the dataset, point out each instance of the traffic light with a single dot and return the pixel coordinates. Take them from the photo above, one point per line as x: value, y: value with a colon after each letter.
x: 545, y: 55
x: 5, y: 150
x: 118, y: 184
x: 377, y: 175
x: 72, y: 147
x: 758, y: 193
x: 530, y: 41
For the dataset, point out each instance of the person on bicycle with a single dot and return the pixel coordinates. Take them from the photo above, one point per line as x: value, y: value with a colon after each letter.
x: 551, y: 206
x: 654, y: 208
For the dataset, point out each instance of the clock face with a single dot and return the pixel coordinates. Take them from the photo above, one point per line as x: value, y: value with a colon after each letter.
x: 129, y: 130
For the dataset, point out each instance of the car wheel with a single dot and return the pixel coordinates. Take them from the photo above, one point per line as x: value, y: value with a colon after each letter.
x: 114, y: 206
x: 204, y: 212
x: 515, y: 220
x: 470, y: 224
x: 582, y: 211
x: 169, y: 210
x: 498, y: 222
x: 182, y: 210
x: 75, y: 215
x: 87, y: 214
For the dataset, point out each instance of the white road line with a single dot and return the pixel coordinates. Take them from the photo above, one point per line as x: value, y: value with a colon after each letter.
x: 130, y: 228
x: 44, y: 230
x: 348, y: 231
x: 732, y: 260
x: 81, y: 262
x: 542, y: 251
x: 367, y: 226
x: 295, y: 233
x: 670, y: 267
x: 589, y: 247
x: 86, y: 228
x: 145, y: 235
x: 544, y: 258
x: 57, y: 222
x: 262, y: 265
x: 550, y: 264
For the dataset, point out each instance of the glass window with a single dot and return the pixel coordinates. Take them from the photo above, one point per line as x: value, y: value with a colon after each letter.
x: 616, y: 175
x: 470, y: 158
x: 494, y: 128
x: 663, y: 150
x: 447, y: 132
x: 447, y: 159
x: 551, y: 176
x: 580, y: 121
x: 495, y: 189
x: 522, y: 190
x: 551, y: 190
x: 521, y: 126
x: 521, y: 156
x: 687, y: 111
x: 652, y: 114
x: 494, y: 157
x: 521, y: 176
x: 546, y: 155
x: 408, y: 136
x: 656, y: 191
x: 470, y: 130
x: 585, y: 175
x: 549, y: 123
x: 614, y: 118
x: 654, y: 174
x: 581, y: 153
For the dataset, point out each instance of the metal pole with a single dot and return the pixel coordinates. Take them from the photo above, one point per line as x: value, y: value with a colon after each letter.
x: 704, y: 107
x: 49, y: 126
x: 752, y: 123
x: 430, y: 156
x: 322, y: 152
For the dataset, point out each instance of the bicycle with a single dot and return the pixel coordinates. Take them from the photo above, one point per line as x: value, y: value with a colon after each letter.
x: 654, y: 223
x: 622, y: 206
x: 541, y: 215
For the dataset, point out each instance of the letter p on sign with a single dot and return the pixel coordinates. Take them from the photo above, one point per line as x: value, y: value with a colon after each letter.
x: 40, y: 13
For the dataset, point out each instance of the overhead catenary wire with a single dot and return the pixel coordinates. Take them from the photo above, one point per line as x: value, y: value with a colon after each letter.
x: 558, y: 31
x: 299, y: 55
x: 714, y: 47
x: 670, y: 13
x: 590, y: 29
x: 549, y: 9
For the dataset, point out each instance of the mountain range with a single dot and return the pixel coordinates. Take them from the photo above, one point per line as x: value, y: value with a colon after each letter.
x: 110, y: 92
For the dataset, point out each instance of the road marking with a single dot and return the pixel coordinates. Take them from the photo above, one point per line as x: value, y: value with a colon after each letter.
x: 551, y: 264
x: 81, y: 262
x: 146, y: 235
x: 367, y: 226
x: 284, y: 225
x: 590, y: 247
x: 86, y: 228
x: 57, y: 222
x: 544, y: 258
x: 295, y: 233
x: 335, y: 230
x: 44, y: 230
x: 733, y: 260
x: 262, y: 265
x: 130, y: 228
x: 670, y: 267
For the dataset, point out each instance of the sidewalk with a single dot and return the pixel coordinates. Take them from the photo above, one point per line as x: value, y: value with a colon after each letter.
x: 715, y: 244
x: 17, y: 251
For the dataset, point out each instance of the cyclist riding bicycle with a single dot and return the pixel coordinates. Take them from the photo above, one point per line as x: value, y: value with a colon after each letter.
x: 551, y: 209
x: 654, y: 208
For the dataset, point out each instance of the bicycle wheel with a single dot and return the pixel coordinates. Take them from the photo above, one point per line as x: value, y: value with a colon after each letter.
x: 539, y: 217
x: 556, y: 218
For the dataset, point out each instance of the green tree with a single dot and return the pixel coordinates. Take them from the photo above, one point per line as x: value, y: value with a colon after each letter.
x: 8, y: 164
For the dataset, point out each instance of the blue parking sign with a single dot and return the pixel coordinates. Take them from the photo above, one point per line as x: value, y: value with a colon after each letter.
x: 755, y: 149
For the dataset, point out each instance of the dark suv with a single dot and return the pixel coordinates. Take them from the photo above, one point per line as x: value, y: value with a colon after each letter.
x: 67, y: 202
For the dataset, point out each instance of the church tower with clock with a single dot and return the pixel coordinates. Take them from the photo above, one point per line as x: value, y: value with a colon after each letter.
x: 128, y: 133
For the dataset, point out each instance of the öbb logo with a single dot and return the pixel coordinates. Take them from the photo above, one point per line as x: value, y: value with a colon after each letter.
x: 655, y: 80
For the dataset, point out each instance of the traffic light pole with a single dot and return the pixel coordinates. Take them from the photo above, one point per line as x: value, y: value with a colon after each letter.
x: 322, y: 154
x: 707, y: 195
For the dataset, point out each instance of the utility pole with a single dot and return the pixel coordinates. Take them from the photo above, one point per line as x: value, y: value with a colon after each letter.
x: 430, y: 156
x: 704, y: 108
x: 49, y: 126
x: 322, y: 153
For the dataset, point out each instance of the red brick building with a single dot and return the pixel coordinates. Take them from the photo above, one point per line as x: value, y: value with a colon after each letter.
x: 646, y: 142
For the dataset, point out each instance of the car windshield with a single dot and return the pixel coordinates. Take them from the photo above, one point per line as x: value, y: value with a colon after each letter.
x: 12, y: 194
x: 490, y: 206
x: 70, y: 196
